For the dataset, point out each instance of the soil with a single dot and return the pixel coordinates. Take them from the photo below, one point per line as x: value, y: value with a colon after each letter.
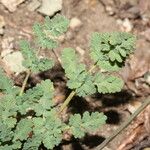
x: 97, y: 16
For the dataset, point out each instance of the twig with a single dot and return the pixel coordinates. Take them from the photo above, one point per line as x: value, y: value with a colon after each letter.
x: 57, y: 56
x: 25, y: 82
x: 124, y: 125
x: 63, y: 106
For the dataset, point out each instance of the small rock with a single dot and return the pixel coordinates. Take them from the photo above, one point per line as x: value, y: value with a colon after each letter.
x: 33, y: 5
x: 14, y: 62
x: 7, y: 43
x: 110, y: 10
x: 125, y: 25
x: 6, y: 52
x: 75, y: 23
x: 50, y: 7
x: 2, y: 25
x: 11, y: 5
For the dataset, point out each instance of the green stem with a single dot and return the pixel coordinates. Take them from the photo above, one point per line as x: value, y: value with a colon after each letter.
x: 64, y: 105
x: 124, y: 125
x: 71, y: 95
x: 25, y: 82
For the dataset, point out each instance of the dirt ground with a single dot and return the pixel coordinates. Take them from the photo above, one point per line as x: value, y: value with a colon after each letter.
x: 101, y: 16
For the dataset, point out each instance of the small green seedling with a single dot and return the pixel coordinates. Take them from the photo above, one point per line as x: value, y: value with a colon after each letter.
x: 29, y: 119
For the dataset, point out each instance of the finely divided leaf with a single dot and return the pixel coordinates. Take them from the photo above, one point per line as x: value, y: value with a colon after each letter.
x: 23, y: 129
x: 48, y: 32
x: 79, y: 79
x: 56, y: 26
x: 32, y: 143
x: 5, y: 133
x: 109, y: 50
x: 88, y: 123
x: 108, y: 83
x: 87, y: 88
x: 6, y: 84
x: 31, y: 61
x: 38, y: 98
x: 42, y: 38
x: 49, y: 129
x: 8, y: 110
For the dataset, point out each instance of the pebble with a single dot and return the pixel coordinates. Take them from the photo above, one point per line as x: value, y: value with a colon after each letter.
x: 2, y: 25
x: 6, y: 52
x: 125, y: 25
x: 110, y: 10
x: 7, y: 43
x: 50, y: 7
x: 11, y: 5
x: 75, y: 23
x: 33, y: 5
x: 14, y: 62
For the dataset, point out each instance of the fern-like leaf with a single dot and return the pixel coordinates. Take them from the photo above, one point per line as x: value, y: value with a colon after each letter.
x: 31, y: 61
x: 14, y: 146
x: 79, y: 79
x: 6, y: 84
x: 88, y: 123
x: 5, y: 133
x: 38, y: 98
x: 42, y: 38
x: 56, y: 26
x: 108, y: 83
x: 32, y: 143
x: 8, y: 110
x: 49, y: 129
x: 48, y: 32
x: 109, y: 50
x: 23, y: 129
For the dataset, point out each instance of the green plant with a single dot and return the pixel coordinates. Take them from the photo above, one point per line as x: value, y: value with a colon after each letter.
x: 30, y: 118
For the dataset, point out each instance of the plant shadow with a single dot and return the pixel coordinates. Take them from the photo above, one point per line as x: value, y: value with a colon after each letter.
x: 117, y: 99
x: 78, y: 105
x: 92, y: 141
x: 113, y: 117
